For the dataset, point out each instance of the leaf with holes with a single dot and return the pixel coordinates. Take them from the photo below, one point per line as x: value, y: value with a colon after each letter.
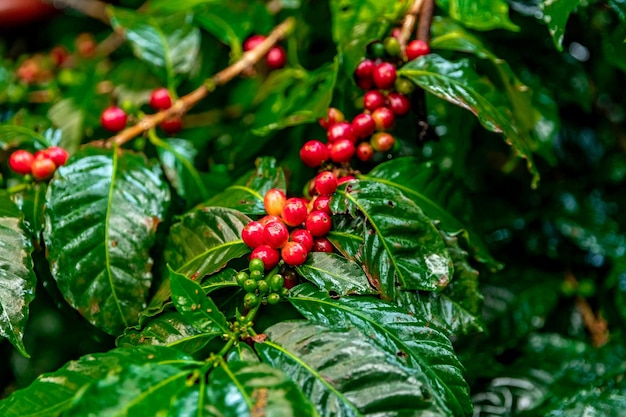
x: 102, y: 211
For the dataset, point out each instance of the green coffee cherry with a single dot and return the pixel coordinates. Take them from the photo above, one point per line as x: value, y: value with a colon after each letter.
x: 263, y: 286
x: 273, y: 298
x: 284, y: 292
x: 250, y: 300
x: 256, y: 275
x: 392, y: 46
x: 276, y: 282
x: 250, y: 285
x: 376, y: 50
x: 241, y: 278
x: 256, y: 265
x: 404, y: 86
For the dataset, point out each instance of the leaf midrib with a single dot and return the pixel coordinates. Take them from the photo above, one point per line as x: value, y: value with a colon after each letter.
x: 207, y: 252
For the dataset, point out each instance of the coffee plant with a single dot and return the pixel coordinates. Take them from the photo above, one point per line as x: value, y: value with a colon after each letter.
x: 312, y: 208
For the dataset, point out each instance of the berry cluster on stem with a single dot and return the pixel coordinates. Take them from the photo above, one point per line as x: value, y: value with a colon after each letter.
x: 41, y: 165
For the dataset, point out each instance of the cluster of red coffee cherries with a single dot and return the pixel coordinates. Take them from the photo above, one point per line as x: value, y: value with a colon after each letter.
x: 41, y: 165
x: 276, y: 57
x: 293, y: 227
x: 114, y: 118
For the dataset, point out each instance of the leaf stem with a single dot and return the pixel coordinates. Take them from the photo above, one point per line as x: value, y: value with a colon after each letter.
x: 425, y: 21
x: 408, y: 24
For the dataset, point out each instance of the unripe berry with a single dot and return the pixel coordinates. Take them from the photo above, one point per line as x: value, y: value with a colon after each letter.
x: 416, y: 49
x: 86, y: 45
x: 275, y: 234
x: 376, y: 49
x: 404, y: 86
x: 333, y: 115
x: 59, y: 54
x: 113, y: 119
x: 294, y: 211
x: 252, y: 234
x: 256, y: 266
x: 364, y: 151
x: 304, y: 237
x: 363, y: 125
x: 318, y: 223
x: 42, y: 168
x: 322, y: 203
x: 392, y: 46
x: 160, y: 99
x: 384, y: 75
x: 399, y: 103
x: 276, y: 57
x: 21, y: 161
x: 273, y: 298
x: 293, y: 253
x: 342, y: 151
x: 341, y: 130
x: 384, y: 118
x: 321, y: 244
x: 252, y: 42
x: 313, y: 153
x: 172, y: 125
x: 382, y: 142
x: 373, y: 100
x: 269, y: 256
x: 273, y: 201
x: 58, y: 155
x: 326, y: 182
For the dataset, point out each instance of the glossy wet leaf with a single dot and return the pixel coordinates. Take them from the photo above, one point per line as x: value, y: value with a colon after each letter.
x: 247, y: 193
x: 13, y: 136
x: 346, y: 235
x: 331, y: 272
x: 102, y: 211
x: 17, y: 278
x: 458, y: 83
x: 426, y: 351
x: 556, y: 14
x: 31, y: 202
x: 481, y: 14
x: 401, y: 246
x: 52, y: 394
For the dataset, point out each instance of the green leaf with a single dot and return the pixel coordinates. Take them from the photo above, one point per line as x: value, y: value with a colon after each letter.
x: 481, y: 14
x: 169, y: 44
x: 13, y: 136
x: 31, y: 203
x: 555, y: 15
x: 403, y: 248
x: 197, y: 309
x: 427, y: 352
x: 52, y: 394
x: 459, y: 84
x: 246, y: 194
x: 17, y: 279
x: 331, y: 272
x: 346, y: 235
x: 357, y: 23
x: 102, y: 211
x: 292, y: 97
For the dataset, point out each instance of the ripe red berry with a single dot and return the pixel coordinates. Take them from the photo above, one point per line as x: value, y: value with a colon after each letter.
x: 384, y: 75
x: 113, y: 119
x: 382, y: 142
x: 318, y: 223
x: 57, y: 154
x: 293, y: 253
x: 252, y: 234
x: 290, y: 279
x: 59, y: 54
x: 313, y: 153
x: 364, y: 151
x: 269, y: 256
x: 252, y: 42
x: 276, y: 57
x: 42, y: 167
x: 326, y: 182
x: 373, y: 100
x: 341, y: 130
x: 364, y: 83
x: 20, y: 161
x: 275, y: 234
x: 160, y: 99
x: 384, y: 118
x: 345, y: 179
x: 399, y: 103
x: 172, y: 125
x: 322, y: 203
x: 273, y: 201
x: 363, y: 125
x: 321, y: 244
x: 342, y: 150
x: 416, y: 49
x: 294, y: 211
x: 364, y: 69
x: 333, y: 115
x: 304, y: 237
x: 268, y: 219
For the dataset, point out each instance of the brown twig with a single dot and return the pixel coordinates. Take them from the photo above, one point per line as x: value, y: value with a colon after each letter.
x: 409, y: 23
x: 183, y: 104
x: 426, y: 20
x: 91, y: 8
x: 595, y: 324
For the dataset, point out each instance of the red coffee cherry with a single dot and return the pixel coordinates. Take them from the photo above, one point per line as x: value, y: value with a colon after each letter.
x: 290, y: 279
x: 274, y: 200
x: 20, y: 161
x: 341, y: 130
x: 160, y: 99
x: 304, y: 237
x: 269, y: 256
x: 58, y: 55
x: 399, y: 103
x: 345, y: 179
x: 276, y: 57
x: 42, y: 167
x: 252, y: 234
x: 326, y: 182
x: 313, y: 153
x: 364, y: 151
x: 322, y: 203
x: 416, y: 49
x: 294, y: 211
x: 384, y: 75
x: 383, y: 118
x: 113, y: 119
x: 373, y: 100
x: 382, y: 142
x: 172, y: 125
x: 321, y: 244
x: 318, y: 223
x: 268, y: 219
x: 252, y: 42
x: 364, y: 69
x: 333, y: 115
x: 342, y: 151
x: 364, y: 83
x: 57, y: 154
x: 363, y: 125
x: 293, y: 253
x: 275, y: 234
